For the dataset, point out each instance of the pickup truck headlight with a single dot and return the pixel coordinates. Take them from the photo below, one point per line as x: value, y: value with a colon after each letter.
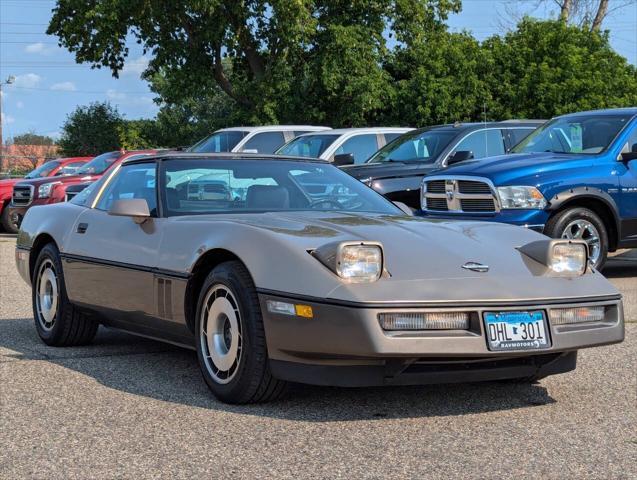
x: 521, y: 197
x: 355, y: 262
x: 44, y: 190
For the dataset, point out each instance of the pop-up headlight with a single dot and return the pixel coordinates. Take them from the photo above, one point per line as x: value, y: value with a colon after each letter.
x: 566, y: 258
x: 356, y: 262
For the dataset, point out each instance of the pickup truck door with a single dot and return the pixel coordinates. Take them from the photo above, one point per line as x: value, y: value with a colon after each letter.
x: 627, y: 174
x: 109, y: 260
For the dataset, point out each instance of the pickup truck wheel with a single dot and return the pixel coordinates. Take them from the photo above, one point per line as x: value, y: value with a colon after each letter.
x: 230, y: 339
x: 582, y: 224
x: 7, y: 224
x: 58, y: 322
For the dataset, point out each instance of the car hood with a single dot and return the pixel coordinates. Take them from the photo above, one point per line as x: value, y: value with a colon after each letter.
x: 388, y: 170
x: 504, y: 169
x: 423, y: 259
x: 66, y: 179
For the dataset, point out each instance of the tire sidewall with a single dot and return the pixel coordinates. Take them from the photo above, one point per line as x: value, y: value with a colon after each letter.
x: 50, y: 252
x: 6, y: 222
x: 560, y: 222
x: 252, y: 362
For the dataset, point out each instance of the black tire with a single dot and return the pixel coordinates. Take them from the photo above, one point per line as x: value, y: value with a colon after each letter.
x: 6, y: 222
x: 251, y: 380
x: 69, y: 326
x: 557, y: 225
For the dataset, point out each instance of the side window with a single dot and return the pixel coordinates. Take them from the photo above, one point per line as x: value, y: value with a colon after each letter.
x: 483, y: 143
x: 518, y: 134
x: 361, y: 146
x: 132, y: 181
x: 266, y: 142
x: 631, y: 144
x: 390, y: 137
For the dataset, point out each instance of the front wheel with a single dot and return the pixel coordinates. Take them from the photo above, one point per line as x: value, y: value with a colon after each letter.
x: 57, y: 321
x: 231, y: 347
x: 8, y: 224
x: 580, y: 223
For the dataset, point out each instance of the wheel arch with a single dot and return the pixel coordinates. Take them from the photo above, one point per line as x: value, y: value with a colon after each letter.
x: 598, y: 201
x: 202, y: 267
x: 38, y: 244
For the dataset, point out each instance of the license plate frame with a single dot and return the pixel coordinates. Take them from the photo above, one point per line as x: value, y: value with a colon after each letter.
x: 515, y: 330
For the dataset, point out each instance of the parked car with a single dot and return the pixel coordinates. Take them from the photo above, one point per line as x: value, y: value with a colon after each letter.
x: 278, y: 285
x: 265, y: 139
x: 44, y: 191
x: 575, y: 177
x: 344, y: 146
x: 397, y: 169
x: 53, y: 168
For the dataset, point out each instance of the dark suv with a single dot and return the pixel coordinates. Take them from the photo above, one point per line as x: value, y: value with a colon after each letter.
x: 397, y: 169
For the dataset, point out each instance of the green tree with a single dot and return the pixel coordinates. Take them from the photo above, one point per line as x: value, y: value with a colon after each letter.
x: 547, y: 68
x: 32, y: 138
x: 91, y: 130
x: 284, y: 59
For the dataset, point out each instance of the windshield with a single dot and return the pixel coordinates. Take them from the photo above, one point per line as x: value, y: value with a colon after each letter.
x: 218, y: 142
x: 308, y: 145
x: 576, y: 134
x: 99, y: 164
x: 419, y: 146
x: 43, y: 170
x: 231, y: 186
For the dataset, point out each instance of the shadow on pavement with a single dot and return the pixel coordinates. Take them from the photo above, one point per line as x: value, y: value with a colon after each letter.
x: 621, y: 265
x: 162, y: 372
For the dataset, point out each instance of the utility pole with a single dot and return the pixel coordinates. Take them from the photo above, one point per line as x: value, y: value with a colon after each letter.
x: 8, y: 81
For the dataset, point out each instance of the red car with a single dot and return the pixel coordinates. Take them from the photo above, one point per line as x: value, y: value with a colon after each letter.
x: 44, y: 191
x: 54, y: 168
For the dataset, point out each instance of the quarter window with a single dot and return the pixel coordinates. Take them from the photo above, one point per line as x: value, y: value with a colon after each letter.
x: 482, y: 143
x: 266, y: 142
x: 132, y: 181
x: 516, y: 135
x: 631, y: 145
x: 361, y: 146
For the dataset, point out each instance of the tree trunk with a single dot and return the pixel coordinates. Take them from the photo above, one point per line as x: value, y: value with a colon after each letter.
x: 565, y: 10
x: 602, y: 10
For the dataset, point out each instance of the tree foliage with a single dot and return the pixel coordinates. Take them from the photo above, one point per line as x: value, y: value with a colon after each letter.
x: 32, y: 138
x: 339, y: 63
x: 91, y: 130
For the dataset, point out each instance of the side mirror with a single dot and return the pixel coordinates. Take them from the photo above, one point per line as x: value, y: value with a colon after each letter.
x: 409, y: 211
x: 460, y: 156
x: 136, y: 208
x: 632, y: 155
x: 343, y: 159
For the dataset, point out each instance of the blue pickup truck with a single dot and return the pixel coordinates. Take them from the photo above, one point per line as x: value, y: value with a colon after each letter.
x: 575, y: 177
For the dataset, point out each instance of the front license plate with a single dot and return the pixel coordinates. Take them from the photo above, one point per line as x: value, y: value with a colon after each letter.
x: 516, y: 330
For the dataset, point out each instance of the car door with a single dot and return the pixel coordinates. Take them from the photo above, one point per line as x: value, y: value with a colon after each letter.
x: 627, y: 174
x: 265, y: 142
x: 109, y: 260
x: 361, y: 146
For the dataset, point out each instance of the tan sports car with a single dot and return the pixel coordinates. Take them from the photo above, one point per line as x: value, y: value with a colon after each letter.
x: 279, y: 269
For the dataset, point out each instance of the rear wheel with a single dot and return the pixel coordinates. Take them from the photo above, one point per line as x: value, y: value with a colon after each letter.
x: 8, y: 225
x: 231, y: 346
x: 57, y: 321
x: 580, y: 223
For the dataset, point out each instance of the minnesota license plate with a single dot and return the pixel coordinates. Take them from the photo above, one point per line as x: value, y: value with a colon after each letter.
x: 516, y: 330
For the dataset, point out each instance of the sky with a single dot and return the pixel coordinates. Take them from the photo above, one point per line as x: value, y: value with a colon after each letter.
x: 49, y: 84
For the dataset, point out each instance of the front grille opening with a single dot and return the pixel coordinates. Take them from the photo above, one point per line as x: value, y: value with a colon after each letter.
x: 439, y: 204
x: 470, y: 186
x: 477, y: 205
x: 436, y: 186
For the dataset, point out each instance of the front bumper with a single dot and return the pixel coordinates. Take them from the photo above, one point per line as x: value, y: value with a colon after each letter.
x: 346, y: 346
x: 533, y: 219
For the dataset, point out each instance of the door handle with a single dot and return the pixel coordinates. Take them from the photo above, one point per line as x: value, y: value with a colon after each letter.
x: 81, y: 227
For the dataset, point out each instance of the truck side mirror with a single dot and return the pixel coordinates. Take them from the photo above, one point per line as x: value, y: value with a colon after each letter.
x: 460, y: 156
x: 343, y: 159
x: 632, y: 155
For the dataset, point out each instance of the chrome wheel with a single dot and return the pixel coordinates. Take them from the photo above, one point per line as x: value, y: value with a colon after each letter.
x: 47, y: 295
x: 220, y: 334
x: 585, y: 230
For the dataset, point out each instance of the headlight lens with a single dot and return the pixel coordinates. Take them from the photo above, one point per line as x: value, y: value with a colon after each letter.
x: 360, y: 263
x: 568, y: 258
x: 44, y: 191
x: 521, y: 197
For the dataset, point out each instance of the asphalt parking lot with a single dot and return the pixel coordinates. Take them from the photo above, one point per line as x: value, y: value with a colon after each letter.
x: 126, y: 407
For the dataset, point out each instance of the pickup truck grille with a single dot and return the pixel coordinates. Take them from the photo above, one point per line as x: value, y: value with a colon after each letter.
x: 458, y: 195
x: 22, y: 195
